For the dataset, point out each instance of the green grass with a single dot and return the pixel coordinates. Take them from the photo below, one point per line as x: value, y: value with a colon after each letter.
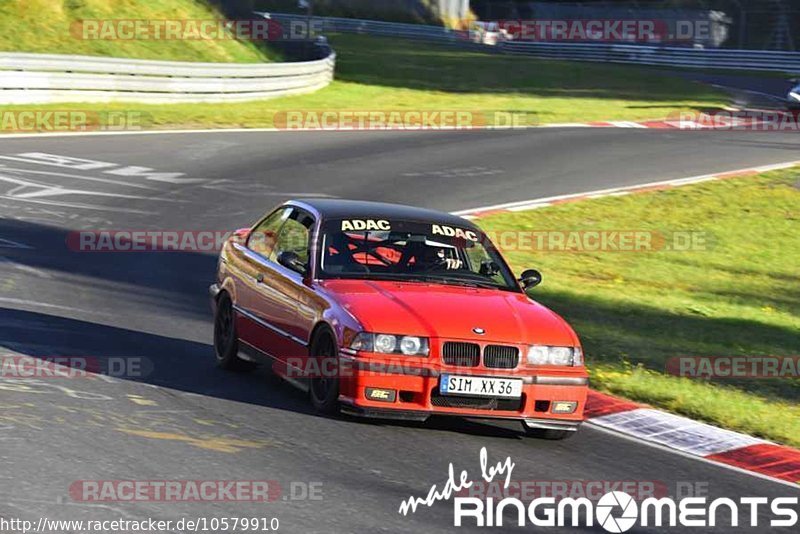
x: 44, y: 26
x: 380, y: 74
x: 737, y: 295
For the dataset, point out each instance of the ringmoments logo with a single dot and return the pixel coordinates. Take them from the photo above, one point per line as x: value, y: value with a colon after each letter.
x: 605, y: 511
x: 615, y: 511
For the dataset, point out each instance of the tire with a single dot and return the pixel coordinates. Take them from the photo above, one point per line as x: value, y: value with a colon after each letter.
x: 548, y: 433
x: 324, y: 390
x: 226, y: 344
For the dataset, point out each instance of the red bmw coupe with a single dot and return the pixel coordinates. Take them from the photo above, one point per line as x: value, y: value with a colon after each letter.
x: 391, y: 311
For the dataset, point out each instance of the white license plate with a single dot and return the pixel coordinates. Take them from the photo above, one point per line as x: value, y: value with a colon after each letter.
x: 480, y: 386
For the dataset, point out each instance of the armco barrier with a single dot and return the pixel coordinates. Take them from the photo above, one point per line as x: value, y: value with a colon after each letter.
x: 686, y: 57
x: 369, y: 27
x: 712, y: 58
x: 39, y: 78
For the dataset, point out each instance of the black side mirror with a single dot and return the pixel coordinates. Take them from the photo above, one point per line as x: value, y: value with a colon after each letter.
x: 530, y: 278
x: 292, y: 261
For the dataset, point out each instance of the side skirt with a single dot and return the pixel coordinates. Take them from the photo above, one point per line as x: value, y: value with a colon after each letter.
x: 250, y: 353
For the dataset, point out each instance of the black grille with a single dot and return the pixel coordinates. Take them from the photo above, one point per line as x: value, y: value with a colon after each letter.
x: 500, y: 356
x: 475, y: 403
x: 461, y: 354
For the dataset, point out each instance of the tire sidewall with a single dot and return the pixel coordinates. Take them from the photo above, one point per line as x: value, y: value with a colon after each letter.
x: 225, y: 357
x: 330, y: 404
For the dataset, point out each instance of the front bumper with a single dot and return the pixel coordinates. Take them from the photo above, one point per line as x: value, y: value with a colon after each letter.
x: 414, y: 394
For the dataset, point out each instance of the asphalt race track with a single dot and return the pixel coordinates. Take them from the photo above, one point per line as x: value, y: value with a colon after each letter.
x: 185, y: 419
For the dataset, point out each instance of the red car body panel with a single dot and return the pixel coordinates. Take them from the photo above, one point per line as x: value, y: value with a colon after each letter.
x: 278, y: 311
x: 434, y: 310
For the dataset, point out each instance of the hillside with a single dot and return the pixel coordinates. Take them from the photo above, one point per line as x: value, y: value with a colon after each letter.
x: 55, y: 26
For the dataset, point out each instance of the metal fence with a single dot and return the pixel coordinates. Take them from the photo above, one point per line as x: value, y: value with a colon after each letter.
x: 655, y: 55
x: 369, y: 27
x: 40, y: 78
x: 740, y: 24
x: 685, y: 57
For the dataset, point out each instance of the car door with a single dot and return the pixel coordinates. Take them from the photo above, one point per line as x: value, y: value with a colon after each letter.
x: 278, y: 292
x: 251, y: 261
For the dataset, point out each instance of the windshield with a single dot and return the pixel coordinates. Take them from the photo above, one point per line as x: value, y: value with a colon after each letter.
x: 411, y: 251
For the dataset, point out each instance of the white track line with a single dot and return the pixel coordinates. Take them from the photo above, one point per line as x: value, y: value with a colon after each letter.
x: 7, y: 243
x: 622, y: 124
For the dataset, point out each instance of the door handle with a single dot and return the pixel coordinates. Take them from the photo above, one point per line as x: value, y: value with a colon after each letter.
x: 260, y: 278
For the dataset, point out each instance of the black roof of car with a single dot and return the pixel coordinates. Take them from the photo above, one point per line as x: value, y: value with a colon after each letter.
x: 334, y: 208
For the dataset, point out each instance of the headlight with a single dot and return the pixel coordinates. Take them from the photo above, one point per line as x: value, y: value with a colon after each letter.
x: 794, y: 96
x: 545, y: 355
x: 390, y: 344
x: 385, y: 343
x: 410, y: 345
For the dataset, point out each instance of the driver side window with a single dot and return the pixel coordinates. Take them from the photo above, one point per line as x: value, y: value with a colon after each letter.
x: 262, y: 239
x: 294, y: 236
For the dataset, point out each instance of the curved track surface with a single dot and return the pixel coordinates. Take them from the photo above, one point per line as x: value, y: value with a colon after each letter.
x: 187, y: 420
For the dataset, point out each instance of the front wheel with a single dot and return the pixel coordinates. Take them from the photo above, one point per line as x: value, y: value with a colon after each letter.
x: 226, y: 344
x: 324, y: 390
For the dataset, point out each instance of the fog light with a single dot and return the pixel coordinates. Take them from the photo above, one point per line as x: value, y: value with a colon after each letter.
x: 564, y: 407
x: 382, y: 395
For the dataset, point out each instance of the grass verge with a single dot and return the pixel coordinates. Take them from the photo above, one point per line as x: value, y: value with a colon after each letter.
x: 381, y: 74
x: 736, y: 292
x: 47, y: 27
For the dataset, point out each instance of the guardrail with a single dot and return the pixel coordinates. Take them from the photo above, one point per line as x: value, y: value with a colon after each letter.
x: 370, y: 27
x: 40, y: 78
x: 708, y: 58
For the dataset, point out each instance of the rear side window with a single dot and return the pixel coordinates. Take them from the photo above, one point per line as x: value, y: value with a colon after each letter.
x: 294, y: 235
x: 262, y: 239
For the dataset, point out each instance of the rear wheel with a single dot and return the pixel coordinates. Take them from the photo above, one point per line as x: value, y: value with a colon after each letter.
x: 226, y: 344
x: 547, y: 433
x: 324, y: 390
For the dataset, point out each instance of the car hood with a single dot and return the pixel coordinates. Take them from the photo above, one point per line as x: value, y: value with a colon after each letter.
x: 451, y: 312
